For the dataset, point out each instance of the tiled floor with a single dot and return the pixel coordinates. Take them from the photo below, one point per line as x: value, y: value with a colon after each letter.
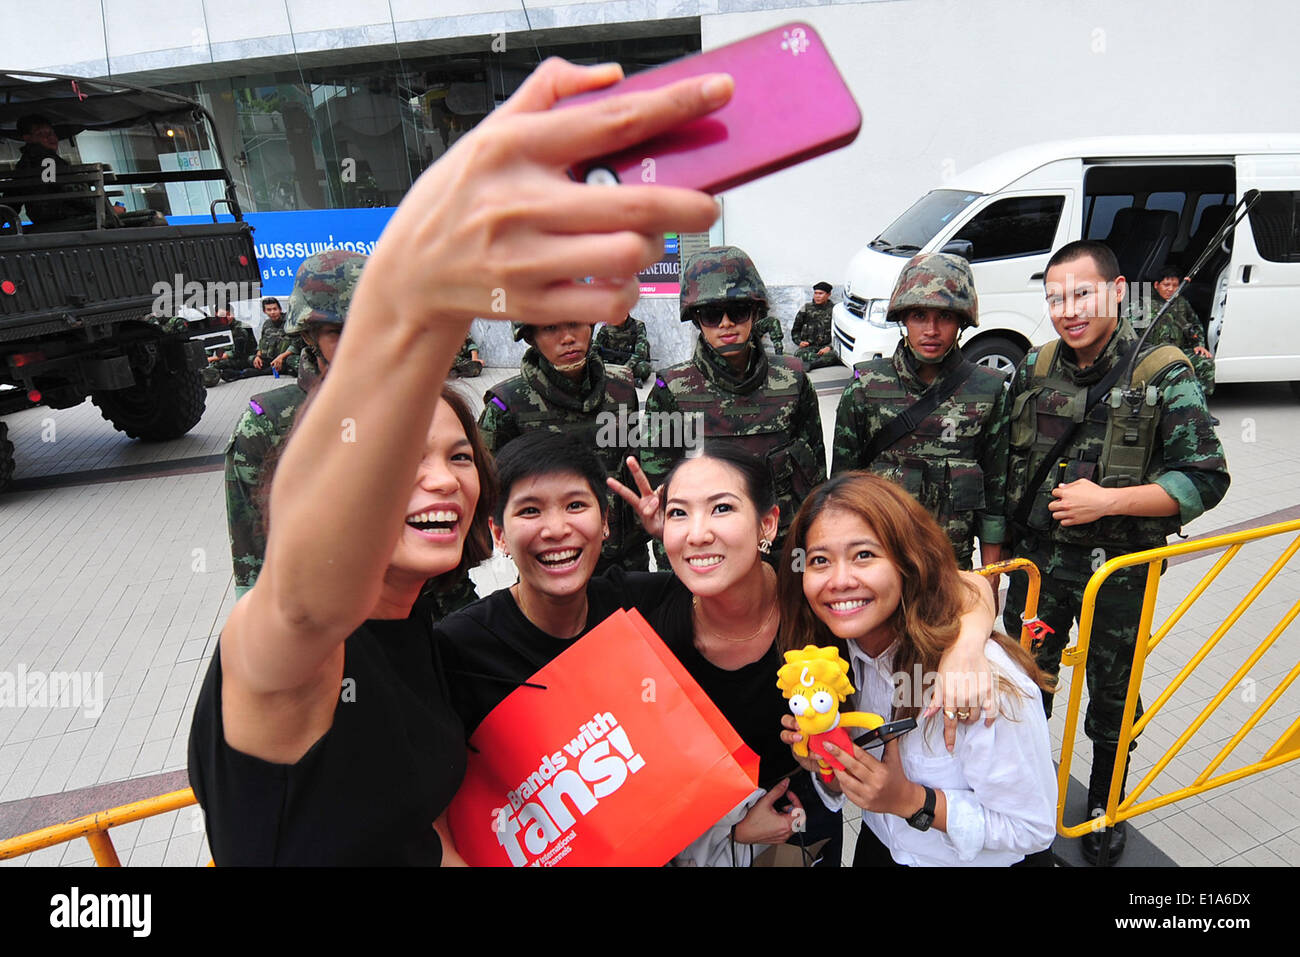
x: 130, y: 581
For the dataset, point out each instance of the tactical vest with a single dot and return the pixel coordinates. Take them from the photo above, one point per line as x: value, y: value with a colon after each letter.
x: 1118, y: 445
x: 761, y: 422
x: 938, y: 462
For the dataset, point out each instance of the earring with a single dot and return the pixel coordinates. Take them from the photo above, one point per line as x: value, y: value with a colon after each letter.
x: 765, y: 546
x: 606, y: 535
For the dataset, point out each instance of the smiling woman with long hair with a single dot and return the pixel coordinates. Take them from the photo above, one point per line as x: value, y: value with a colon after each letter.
x: 880, y: 582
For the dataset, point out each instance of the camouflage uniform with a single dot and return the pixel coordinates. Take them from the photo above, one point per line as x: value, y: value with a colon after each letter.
x: 770, y: 326
x: 243, y: 344
x: 1181, y: 327
x: 1187, y: 462
x: 770, y: 410
x: 625, y: 345
x: 812, y: 324
x: 274, y: 340
x: 541, y: 397
x: 954, y: 462
x: 465, y: 365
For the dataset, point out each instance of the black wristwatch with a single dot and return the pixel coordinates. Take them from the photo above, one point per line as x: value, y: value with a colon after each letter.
x: 923, y: 818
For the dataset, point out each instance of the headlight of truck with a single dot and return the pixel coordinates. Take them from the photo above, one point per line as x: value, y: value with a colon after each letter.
x: 876, y: 313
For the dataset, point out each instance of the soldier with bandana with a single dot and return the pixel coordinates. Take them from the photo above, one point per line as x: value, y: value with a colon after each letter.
x: 766, y: 406
x: 953, y: 458
x: 564, y: 386
x: 1135, y: 466
x: 812, y: 330
x: 625, y: 344
x: 1181, y: 327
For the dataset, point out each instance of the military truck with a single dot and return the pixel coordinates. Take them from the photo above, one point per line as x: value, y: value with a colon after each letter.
x: 114, y: 305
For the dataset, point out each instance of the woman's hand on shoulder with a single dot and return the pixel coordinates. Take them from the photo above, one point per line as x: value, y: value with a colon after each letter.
x: 963, y: 687
x: 496, y: 228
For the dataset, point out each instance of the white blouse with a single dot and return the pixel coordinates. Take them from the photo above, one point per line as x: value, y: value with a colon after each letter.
x: 999, y: 782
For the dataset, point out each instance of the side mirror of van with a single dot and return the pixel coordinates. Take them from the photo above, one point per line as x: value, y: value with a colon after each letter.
x: 959, y: 247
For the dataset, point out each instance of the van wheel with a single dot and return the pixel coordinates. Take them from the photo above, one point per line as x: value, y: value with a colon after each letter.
x: 6, y: 457
x: 162, y: 406
x: 996, y: 352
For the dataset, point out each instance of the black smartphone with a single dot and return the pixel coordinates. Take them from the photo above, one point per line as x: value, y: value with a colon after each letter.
x: 885, y: 733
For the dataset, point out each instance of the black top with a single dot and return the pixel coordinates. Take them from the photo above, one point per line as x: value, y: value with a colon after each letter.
x: 368, y: 791
x: 747, y: 697
x: 490, y: 648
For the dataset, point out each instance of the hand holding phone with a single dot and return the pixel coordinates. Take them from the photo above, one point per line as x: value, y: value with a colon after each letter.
x: 790, y: 104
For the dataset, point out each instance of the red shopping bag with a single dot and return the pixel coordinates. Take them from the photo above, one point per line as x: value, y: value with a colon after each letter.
x: 621, y: 760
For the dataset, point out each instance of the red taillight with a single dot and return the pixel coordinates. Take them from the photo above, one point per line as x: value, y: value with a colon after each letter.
x: 26, y: 358
x: 243, y: 260
x: 8, y: 287
x: 34, y: 395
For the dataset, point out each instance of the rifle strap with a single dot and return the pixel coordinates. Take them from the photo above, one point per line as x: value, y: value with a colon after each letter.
x: 917, y: 413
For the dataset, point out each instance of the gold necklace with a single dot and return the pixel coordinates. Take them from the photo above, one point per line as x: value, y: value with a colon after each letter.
x: 695, y: 605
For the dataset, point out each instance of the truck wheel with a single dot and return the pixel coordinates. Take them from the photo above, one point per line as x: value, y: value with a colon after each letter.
x: 164, y: 406
x: 995, y: 352
x: 6, y: 457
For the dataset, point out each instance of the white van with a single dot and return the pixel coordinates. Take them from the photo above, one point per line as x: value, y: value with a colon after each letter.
x: 1155, y: 200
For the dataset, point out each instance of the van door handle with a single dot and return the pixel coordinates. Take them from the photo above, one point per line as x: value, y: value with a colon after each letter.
x: 1245, y: 274
x: 1036, y: 277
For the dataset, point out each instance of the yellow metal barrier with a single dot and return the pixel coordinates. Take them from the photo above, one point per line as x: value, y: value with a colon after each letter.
x: 95, y: 827
x: 1029, y: 635
x: 1286, y: 748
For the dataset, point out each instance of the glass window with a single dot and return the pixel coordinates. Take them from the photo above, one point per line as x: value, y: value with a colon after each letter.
x: 1205, y: 201
x: 1100, y: 214
x: 916, y: 227
x: 1019, y: 226
x: 1275, y: 223
x: 1172, y: 202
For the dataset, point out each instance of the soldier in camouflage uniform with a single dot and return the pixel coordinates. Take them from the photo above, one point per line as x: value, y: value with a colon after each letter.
x: 564, y: 386
x: 1079, y: 517
x: 1181, y: 327
x: 954, y: 461
x: 626, y: 344
x: 467, y: 364
x: 277, y: 347
x: 812, y: 330
x: 229, y: 365
x: 770, y: 326
x: 766, y: 406
x: 322, y: 291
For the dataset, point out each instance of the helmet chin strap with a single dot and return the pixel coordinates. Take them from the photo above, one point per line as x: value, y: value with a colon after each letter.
x: 731, y: 348
x: 571, y: 367
x: 927, y: 360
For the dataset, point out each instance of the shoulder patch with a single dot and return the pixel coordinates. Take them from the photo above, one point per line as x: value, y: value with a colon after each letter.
x: 252, y: 404
x: 498, y: 403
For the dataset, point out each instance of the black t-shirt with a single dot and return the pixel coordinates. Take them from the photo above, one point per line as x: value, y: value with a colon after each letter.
x: 747, y: 697
x: 368, y: 791
x: 490, y: 648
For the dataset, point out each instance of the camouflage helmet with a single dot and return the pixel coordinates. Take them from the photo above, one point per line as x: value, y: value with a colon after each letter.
x: 323, y: 288
x: 721, y: 274
x: 520, y: 329
x: 936, y: 281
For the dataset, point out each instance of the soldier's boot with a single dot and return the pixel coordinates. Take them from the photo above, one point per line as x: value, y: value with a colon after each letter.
x: 1102, y: 847
x: 211, y: 377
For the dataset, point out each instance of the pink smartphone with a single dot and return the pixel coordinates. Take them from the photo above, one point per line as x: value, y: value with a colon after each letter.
x: 790, y: 104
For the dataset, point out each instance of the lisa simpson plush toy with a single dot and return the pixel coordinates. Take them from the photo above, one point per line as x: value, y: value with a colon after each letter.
x: 816, y: 682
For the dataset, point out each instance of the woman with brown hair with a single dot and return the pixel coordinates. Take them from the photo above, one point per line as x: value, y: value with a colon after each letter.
x: 323, y: 734
x: 879, y: 581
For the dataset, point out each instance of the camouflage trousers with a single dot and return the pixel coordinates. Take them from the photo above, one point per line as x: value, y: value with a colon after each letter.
x: 467, y: 368
x: 1204, y: 369
x: 233, y: 368
x: 1110, y: 649
x: 811, y: 360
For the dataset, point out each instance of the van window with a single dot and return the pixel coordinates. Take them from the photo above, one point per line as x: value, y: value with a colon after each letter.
x: 1099, y: 215
x: 1275, y: 223
x: 1172, y: 202
x: 1019, y: 226
x: 916, y: 227
x: 1206, y: 200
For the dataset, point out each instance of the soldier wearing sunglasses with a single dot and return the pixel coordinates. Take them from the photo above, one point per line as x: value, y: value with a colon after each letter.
x: 763, y: 404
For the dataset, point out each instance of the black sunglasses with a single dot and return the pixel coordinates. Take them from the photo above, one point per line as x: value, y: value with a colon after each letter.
x: 711, y: 315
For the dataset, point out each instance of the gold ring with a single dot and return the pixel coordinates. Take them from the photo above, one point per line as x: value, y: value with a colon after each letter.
x: 949, y: 714
x: 963, y: 715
